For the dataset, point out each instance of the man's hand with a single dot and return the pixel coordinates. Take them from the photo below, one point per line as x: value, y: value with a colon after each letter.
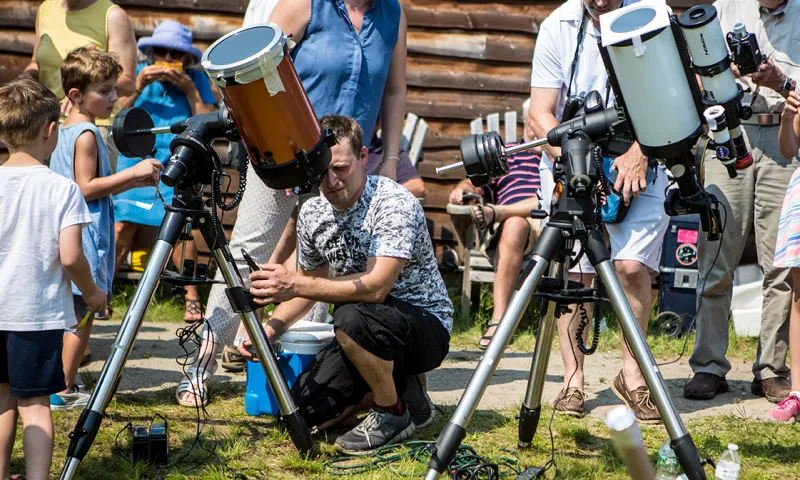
x: 457, y: 195
x: 272, y: 284
x: 631, y: 170
x: 246, y: 345
x: 768, y: 75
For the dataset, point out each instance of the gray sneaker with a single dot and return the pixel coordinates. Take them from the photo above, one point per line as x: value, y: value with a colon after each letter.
x: 419, y: 403
x: 74, y: 398
x: 378, y: 429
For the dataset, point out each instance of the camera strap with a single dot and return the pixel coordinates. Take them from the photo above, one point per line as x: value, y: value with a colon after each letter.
x: 574, y: 66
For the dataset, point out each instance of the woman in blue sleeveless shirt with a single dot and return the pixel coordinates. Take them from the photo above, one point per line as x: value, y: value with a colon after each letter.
x: 170, y: 91
x: 351, y: 57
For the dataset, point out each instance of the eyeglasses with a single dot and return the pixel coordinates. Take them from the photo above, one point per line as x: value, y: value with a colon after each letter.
x: 163, y: 52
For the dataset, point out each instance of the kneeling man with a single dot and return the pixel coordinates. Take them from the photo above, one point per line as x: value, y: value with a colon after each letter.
x: 364, y: 247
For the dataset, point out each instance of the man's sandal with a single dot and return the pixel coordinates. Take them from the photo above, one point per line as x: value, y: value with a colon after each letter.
x: 486, y: 337
x: 193, y: 308
x: 197, y: 387
x: 479, y: 218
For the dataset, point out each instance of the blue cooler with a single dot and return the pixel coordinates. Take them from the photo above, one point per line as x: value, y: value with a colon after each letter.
x: 298, y: 346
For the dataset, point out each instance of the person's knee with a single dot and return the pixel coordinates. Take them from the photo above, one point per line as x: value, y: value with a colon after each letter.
x: 515, y: 233
x: 348, y: 319
x: 631, y: 270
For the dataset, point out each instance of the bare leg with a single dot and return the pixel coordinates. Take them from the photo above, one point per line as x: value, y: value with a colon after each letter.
x: 794, y: 331
x: 636, y: 282
x: 191, y: 290
x: 376, y: 371
x: 37, y: 437
x: 508, y: 261
x: 123, y: 233
x: 75, y: 344
x: 8, y: 429
x: 567, y: 328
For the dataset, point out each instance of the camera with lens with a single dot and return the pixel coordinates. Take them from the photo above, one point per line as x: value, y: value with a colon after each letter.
x: 744, y: 49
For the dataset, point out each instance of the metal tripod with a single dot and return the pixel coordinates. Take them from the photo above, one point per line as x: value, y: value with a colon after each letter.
x: 187, y: 208
x: 572, y: 219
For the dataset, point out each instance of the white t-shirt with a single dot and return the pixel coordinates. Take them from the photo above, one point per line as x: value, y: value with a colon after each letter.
x: 555, y: 48
x: 35, y: 205
x: 258, y: 12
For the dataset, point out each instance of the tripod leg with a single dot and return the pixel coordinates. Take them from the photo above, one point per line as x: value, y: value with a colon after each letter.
x: 455, y: 430
x: 82, y: 437
x: 682, y: 442
x: 532, y: 405
x: 290, y: 416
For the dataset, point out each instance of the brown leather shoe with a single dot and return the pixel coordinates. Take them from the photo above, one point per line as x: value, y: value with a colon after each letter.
x: 775, y: 388
x: 637, y: 400
x: 705, y: 386
x: 570, y: 402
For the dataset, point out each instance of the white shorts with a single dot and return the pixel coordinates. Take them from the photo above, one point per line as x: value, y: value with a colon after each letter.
x: 639, y: 236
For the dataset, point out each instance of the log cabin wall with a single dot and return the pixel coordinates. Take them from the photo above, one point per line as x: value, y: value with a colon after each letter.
x: 466, y: 59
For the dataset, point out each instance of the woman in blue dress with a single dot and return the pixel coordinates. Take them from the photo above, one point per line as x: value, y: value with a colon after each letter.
x: 170, y: 90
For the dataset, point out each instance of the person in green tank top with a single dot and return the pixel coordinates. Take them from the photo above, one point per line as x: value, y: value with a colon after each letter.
x: 63, y: 26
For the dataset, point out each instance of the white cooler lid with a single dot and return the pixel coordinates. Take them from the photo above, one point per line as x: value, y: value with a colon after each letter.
x: 308, y: 332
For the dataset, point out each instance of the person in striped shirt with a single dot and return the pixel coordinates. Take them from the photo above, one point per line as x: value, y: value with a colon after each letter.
x: 508, y: 232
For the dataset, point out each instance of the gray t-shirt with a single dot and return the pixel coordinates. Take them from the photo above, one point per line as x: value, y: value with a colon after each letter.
x: 387, y: 221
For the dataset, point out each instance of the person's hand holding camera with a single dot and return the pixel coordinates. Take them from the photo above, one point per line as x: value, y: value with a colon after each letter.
x: 769, y: 75
x: 147, y: 172
x: 273, y: 284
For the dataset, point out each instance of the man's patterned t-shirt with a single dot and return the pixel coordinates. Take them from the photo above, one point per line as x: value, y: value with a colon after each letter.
x: 387, y: 221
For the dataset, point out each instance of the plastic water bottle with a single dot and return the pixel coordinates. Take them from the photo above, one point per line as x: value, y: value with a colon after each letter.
x: 667, y: 467
x: 729, y: 464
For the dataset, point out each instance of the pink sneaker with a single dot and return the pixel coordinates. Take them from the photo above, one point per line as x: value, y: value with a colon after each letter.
x: 787, y: 410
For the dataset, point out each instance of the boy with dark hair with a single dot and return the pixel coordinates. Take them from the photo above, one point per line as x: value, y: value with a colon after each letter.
x: 89, y: 78
x: 40, y: 253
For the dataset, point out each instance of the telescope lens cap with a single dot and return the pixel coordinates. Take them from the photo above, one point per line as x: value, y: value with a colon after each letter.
x: 133, y: 145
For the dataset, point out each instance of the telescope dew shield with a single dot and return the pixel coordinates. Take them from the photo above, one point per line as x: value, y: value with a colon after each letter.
x: 718, y: 130
x: 703, y: 35
x: 645, y: 63
x: 269, y: 105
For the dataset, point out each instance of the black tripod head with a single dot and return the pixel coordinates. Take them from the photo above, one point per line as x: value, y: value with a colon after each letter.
x: 193, y: 160
x: 577, y: 172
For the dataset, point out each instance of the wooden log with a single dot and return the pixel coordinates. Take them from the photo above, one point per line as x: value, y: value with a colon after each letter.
x: 205, y: 6
x: 513, y: 17
x: 18, y: 13
x: 429, y: 103
x: 436, y: 72
x: 448, y: 133
x: 17, y: 41
x: 22, y: 14
x: 501, y: 47
x: 12, y: 65
x: 438, y: 193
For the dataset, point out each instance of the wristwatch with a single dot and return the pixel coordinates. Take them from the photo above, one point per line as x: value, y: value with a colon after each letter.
x: 788, y: 85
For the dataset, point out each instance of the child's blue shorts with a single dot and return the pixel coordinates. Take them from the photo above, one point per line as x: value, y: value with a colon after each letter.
x: 30, y: 362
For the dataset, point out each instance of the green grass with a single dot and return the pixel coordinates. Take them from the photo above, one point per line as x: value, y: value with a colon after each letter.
x: 255, y: 448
